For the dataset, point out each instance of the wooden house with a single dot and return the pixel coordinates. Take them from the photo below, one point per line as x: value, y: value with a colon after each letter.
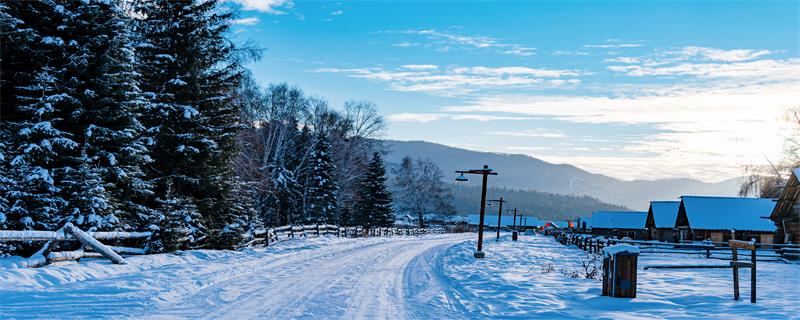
x: 661, y: 218
x: 618, y: 224
x: 786, y: 214
x: 724, y: 218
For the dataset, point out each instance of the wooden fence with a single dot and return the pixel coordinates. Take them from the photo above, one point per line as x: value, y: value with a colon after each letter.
x: 273, y: 235
x: 711, y: 250
x: 91, y: 247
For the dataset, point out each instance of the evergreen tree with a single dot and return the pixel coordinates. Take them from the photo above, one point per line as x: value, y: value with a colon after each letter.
x: 5, y: 184
x: 321, y: 188
x: 189, y: 74
x: 73, y: 123
x: 374, y: 205
x: 180, y: 224
x: 33, y: 58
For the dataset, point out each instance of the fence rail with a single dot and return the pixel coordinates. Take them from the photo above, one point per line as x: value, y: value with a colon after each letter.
x: 92, y: 248
x: 278, y: 234
x: 593, y: 244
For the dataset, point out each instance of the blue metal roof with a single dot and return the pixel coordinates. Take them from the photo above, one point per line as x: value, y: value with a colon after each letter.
x: 726, y: 213
x: 618, y: 219
x: 665, y: 213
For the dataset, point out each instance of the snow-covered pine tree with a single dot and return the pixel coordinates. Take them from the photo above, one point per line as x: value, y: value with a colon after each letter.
x: 189, y: 74
x: 32, y: 118
x: 374, y: 205
x: 73, y: 123
x: 180, y: 225
x: 5, y: 181
x: 321, y: 188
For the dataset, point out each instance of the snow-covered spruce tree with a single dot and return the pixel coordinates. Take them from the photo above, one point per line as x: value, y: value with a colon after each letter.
x: 189, y: 74
x: 321, y: 188
x: 374, y: 205
x: 5, y: 182
x: 73, y: 124
x: 179, y: 225
x: 32, y: 121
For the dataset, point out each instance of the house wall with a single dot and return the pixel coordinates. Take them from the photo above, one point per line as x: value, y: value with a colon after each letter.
x: 725, y: 235
x: 660, y: 234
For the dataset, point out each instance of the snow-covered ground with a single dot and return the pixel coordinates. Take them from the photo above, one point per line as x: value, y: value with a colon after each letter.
x: 430, y: 277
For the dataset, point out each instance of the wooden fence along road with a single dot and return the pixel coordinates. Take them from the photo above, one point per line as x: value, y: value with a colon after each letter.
x: 722, y: 250
x: 91, y: 247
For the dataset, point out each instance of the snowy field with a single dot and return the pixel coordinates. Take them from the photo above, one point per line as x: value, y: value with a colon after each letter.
x: 429, y: 277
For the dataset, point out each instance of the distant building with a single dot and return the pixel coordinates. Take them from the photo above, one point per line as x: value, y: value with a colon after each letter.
x: 786, y: 214
x: 724, y: 218
x: 506, y: 221
x: 661, y: 218
x: 618, y: 224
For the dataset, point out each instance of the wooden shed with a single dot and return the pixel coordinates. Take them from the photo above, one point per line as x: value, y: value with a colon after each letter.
x: 661, y: 218
x: 724, y: 218
x: 619, y: 224
x: 786, y: 214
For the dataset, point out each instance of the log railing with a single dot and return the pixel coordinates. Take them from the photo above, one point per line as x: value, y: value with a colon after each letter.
x: 90, y: 244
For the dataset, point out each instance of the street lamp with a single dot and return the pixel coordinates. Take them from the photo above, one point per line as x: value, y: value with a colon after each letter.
x: 499, y: 214
x: 485, y: 172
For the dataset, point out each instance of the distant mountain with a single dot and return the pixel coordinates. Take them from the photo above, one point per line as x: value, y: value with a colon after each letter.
x: 545, y: 206
x: 528, y: 173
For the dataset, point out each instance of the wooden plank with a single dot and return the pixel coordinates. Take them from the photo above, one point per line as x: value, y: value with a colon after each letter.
x: 734, y: 244
x: 712, y: 266
x: 90, y: 242
x: 741, y: 264
x: 30, y: 235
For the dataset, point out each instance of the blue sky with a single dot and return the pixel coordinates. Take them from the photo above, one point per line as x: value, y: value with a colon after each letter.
x: 628, y: 89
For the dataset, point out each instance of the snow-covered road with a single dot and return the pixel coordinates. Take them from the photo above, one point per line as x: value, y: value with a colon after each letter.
x: 317, y: 278
x: 428, y: 277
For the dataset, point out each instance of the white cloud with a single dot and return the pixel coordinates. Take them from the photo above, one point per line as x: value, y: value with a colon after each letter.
x: 266, y: 6
x: 787, y: 69
x: 461, y: 80
x: 706, y: 132
x: 337, y: 13
x: 529, y: 133
x: 570, y: 53
x: 420, y: 66
x: 724, y: 55
x: 446, y: 41
x: 406, y: 44
x: 613, y: 45
x: 623, y: 60
x: 246, y: 21
x: 431, y: 117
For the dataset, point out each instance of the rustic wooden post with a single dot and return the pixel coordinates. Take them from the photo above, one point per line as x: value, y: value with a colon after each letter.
x: 736, y: 264
x: 753, y: 274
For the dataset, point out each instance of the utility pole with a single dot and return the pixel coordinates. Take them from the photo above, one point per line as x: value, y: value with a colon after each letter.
x: 485, y: 172
x: 499, y: 214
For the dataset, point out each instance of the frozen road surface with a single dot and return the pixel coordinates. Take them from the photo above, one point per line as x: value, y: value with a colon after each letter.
x: 428, y: 277
x: 314, y: 278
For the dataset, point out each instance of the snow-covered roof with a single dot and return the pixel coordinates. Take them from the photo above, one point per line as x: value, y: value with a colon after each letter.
x: 618, y: 219
x: 726, y: 213
x: 665, y: 213
x: 505, y: 220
